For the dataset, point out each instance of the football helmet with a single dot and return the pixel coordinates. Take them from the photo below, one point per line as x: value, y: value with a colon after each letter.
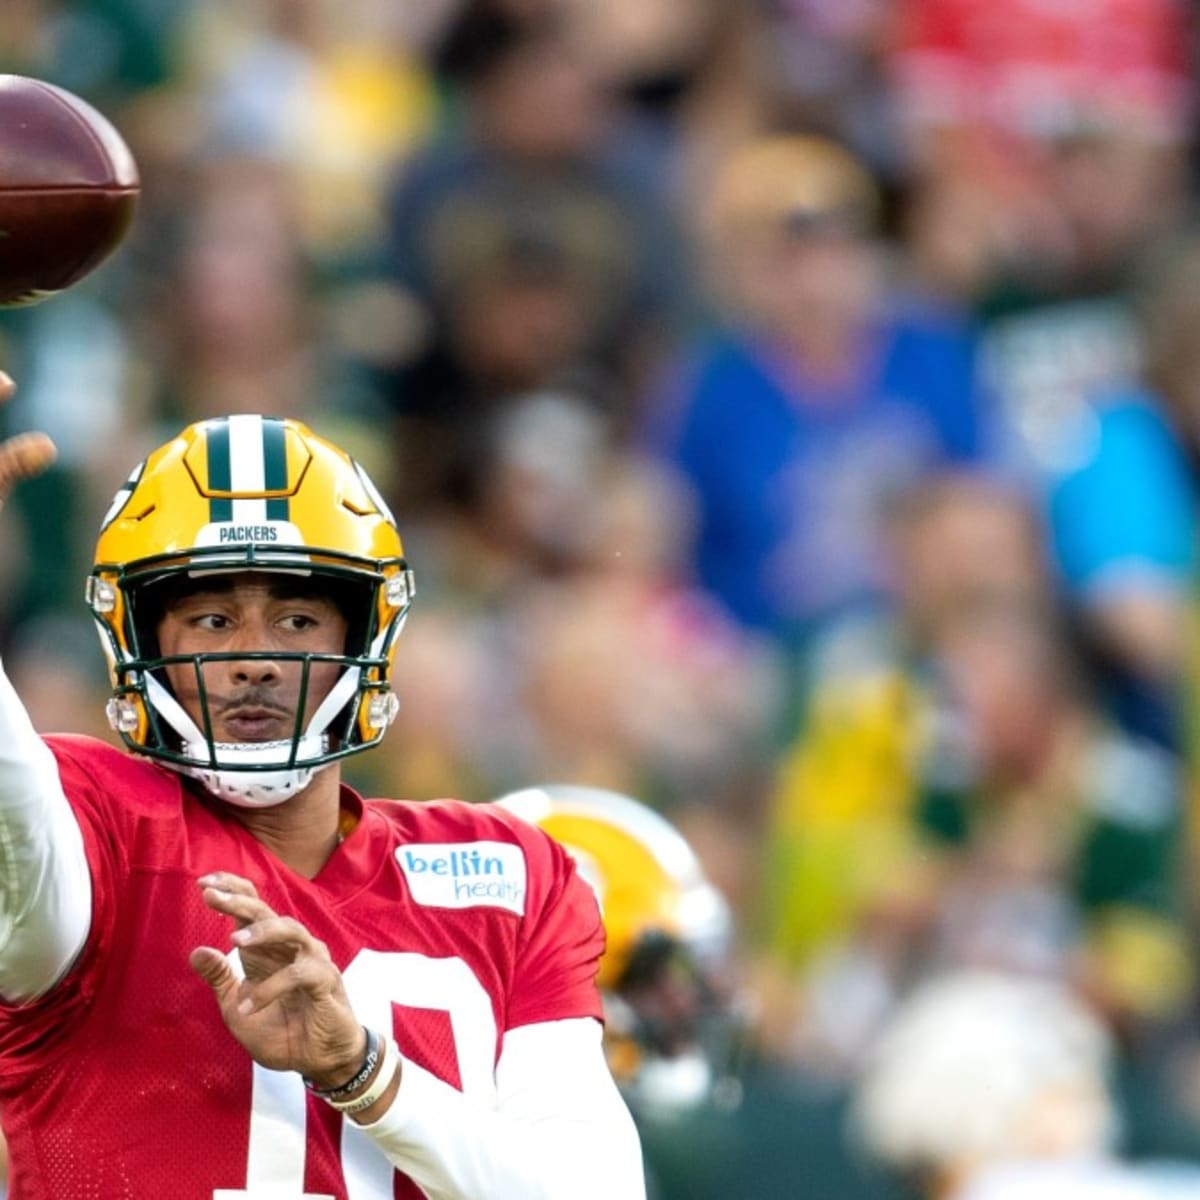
x: 249, y: 493
x: 672, y: 1030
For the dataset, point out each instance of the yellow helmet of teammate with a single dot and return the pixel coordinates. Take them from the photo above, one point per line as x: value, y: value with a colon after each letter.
x: 262, y: 494
x: 669, y: 1035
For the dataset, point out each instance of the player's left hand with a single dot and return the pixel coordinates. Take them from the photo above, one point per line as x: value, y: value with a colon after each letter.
x: 290, y: 1011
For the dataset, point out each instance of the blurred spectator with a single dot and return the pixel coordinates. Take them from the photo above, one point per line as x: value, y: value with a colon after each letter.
x: 581, y: 654
x: 1009, y: 78
x: 688, y: 78
x: 1039, y: 148
x: 823, y: 63
x: 993, y: 1087
x: 80, y: 384
x: 825, y: 396
x: 334, y: 93
x: 1040, y: 205
x: 1066, y: 356
x: 954, y: 791
x: 1048, y: 162
x: 1123, y: 508
x: 1067, y: 832
x: 531, y: 248
x: 838, y: 847
x: 1060, y: 322
x: 956, y: 537
x: 241, y: 332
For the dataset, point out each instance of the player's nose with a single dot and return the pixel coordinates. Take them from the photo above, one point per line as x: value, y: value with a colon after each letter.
x: 256, y: 670
x: 253, y: 639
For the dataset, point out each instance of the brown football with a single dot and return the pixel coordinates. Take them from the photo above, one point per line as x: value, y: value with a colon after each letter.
x: 68, y: 189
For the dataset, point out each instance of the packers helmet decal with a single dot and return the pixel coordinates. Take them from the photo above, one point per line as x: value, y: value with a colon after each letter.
x: 122, y: 497
x: 246, y: 493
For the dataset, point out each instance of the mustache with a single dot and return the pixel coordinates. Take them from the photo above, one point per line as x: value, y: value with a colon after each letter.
x: 258, y: 698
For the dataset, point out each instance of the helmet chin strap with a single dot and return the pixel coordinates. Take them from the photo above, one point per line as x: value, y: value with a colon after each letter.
x: 234, y: 778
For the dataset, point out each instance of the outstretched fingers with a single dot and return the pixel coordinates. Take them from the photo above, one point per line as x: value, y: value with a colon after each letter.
x: 273, y: 932
x: 313, y: 976
x: 287, y: 1004
x: 266, y: 941
x: 242, y: 905
x: 227, y: 881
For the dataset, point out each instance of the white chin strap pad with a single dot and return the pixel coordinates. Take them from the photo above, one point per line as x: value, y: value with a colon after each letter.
x: 234, y: 779
x: 250, y: 789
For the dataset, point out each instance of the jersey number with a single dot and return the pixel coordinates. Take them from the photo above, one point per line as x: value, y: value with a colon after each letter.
x: 375, y: 981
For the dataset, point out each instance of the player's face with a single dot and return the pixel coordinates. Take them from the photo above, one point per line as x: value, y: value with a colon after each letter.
x: 252, y: 699
x: 669, y: 1006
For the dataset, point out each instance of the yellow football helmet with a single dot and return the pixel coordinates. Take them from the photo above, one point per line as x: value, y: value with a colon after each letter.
x: 244, y: 493
x: 670, y: 1032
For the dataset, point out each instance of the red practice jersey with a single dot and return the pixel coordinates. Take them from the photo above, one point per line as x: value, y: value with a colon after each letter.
x: 450, y: 922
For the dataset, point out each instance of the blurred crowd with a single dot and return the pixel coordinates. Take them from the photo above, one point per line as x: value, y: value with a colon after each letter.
x: 791, y: 409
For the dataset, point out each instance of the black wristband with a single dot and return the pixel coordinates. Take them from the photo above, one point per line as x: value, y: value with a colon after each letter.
x: 370, y: 1062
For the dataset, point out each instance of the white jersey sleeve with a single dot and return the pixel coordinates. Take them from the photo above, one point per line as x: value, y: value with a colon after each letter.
x: 560, y: 1129
x: 45, y: 886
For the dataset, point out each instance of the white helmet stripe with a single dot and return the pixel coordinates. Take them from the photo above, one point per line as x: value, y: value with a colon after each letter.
x: 247, y: 469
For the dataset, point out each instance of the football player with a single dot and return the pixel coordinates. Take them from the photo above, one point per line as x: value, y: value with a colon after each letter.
x: 674, y: 1032
x: 225, y: 975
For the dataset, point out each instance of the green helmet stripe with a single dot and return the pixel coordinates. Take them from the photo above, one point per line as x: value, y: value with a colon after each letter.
x: 219, y: 477
x: 275, y: 477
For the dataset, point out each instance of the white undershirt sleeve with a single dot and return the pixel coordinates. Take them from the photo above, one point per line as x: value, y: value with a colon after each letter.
x: 45, y: 885
x: 560, y: 1129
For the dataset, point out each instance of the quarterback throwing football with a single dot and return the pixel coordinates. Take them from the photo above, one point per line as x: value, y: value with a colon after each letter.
x: 223, y: 974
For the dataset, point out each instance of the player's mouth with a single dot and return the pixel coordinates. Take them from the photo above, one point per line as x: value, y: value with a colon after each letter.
x: 257, y: 724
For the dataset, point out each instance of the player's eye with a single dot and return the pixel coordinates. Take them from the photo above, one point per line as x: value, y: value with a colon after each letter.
x: 298, y: 622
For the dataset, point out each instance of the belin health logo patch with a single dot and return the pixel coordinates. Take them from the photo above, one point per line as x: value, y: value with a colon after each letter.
x: 465, y: 874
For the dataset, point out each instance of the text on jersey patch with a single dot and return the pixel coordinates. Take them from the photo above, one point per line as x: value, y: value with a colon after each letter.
x: 465, y: 874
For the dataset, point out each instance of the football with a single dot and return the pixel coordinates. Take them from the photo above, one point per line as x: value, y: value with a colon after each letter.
x: 68, y: 189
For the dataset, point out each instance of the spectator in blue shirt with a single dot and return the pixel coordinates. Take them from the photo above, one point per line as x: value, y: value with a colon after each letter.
x: 824, y: 393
